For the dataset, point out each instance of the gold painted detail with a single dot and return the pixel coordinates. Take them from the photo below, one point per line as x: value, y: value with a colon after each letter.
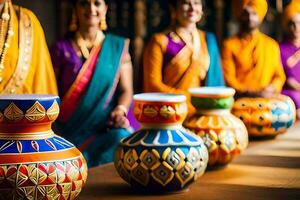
x: 27, y: 136
x: 13, y: 113
x: 53, y: 111
x: 16, y: 81
x: 1, y: 117
x: 150, y: 111
x: 36, y: 113
x: 163, y: 168
x: 54, y: 180
x: 167, y: 111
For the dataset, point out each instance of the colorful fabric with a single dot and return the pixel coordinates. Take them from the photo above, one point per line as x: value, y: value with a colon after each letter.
x: 86, y: 127
x: 291, y: 63
x: 290, y: 11
x: 259, y: 6
x: 27, y: 64
x: 169, y: 67
x: 252, y: 63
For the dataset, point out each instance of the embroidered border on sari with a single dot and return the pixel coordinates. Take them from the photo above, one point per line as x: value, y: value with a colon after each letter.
x: 77, y: 89
x: 25, y: 54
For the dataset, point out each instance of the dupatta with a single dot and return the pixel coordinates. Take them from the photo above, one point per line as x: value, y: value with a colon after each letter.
x: 86, y: 106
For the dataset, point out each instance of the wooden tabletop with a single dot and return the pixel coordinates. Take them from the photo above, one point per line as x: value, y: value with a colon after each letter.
x: 268, y: 169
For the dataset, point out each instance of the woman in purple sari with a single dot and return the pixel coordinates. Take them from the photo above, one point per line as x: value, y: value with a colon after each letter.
x: 290, y: 53
x: 94, y: 76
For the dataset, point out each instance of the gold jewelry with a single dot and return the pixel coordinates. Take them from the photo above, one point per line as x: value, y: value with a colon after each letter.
x: 6, y: 33
x: 73, y: 24
x: 103, y: 24
x: 84, y: 46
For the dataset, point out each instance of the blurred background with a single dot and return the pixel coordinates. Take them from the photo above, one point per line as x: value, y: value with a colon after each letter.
x: 139, y: 19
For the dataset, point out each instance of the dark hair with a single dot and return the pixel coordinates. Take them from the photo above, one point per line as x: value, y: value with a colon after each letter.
x: 73, y: 2
x: 173, y: 3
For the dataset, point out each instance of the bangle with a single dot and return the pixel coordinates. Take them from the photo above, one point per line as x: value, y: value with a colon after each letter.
x: 123, y: 108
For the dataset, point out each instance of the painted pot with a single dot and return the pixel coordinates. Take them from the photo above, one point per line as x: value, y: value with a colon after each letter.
x: 162, y: 156
x: 224, y: 134
x: 34, y: 162
x: 266, y: 116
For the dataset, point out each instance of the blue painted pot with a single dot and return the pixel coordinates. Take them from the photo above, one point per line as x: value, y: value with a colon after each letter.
x: 162, y: 156
x: 35, y: 163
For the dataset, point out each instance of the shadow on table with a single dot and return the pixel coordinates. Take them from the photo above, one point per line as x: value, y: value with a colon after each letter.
x: 205, y: 191
x: 121, y: 189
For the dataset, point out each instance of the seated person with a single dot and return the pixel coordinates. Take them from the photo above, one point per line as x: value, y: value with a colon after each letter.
x: 290, y: 53
x: 250, y: 59
x: 183, y: 56
x: 25, y: 64
x: 94, y: 75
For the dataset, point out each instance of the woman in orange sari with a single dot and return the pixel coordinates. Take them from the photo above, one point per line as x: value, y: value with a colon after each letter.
x: 183, y: 56
x: 93, y: 70
x: 251, y: 59
x: 25, y: 64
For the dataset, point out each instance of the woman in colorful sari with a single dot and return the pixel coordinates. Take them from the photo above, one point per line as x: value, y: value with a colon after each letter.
x: 94, y: 75
x: 183, y: 56
x: 251, y: 59
x: 25, y: 64
x: 290, y: 53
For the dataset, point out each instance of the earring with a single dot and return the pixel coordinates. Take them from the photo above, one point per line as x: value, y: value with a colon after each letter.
x: 73, y: 24
x: 103, y: 24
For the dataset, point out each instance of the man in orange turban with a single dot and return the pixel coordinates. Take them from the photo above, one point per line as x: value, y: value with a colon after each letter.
x: 251, y: 59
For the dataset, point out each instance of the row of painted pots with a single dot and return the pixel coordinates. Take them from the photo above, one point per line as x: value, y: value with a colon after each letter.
x: 37, y: 164
x: 164, y: 156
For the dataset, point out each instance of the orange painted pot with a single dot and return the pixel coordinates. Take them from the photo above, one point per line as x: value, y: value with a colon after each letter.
x: 162, y: 156
x: 266, y: 116
x: 34, y: 162
x: 224, y: 134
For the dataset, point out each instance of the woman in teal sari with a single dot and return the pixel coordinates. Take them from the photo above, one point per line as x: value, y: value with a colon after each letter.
x: 94, y: 75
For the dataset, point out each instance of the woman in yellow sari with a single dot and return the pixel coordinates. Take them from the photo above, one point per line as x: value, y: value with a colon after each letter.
x: 25, y: 64
x: 251, y: 59
x: 183, y: 56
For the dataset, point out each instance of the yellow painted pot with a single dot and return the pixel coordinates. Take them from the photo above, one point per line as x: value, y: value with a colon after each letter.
x: 265, y: 116
x: 224, y: 134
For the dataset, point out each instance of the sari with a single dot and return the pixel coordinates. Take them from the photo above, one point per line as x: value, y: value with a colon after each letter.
x: 169, y: 65
x: 89, y: 95
x: 290, y: 56
x: 27, y: 63
x: 252, y: 63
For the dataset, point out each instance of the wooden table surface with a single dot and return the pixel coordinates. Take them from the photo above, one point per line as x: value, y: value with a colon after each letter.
x: 268, y: 169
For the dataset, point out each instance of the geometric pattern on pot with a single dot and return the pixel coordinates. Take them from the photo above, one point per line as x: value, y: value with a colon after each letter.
x: 265, y: 116
x: 224, y: 136
x: 34, y: 162
x: 49, y: 180
x: 152, y: 111
x: 161, y: 160
x: 39, y: 111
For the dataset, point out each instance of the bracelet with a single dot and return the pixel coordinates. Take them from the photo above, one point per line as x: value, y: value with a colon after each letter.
x: 123, y: 108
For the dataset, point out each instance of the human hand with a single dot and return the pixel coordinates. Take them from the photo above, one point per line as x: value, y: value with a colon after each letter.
x: 117, y: 118
x: 268, y: 91
x: 293, y: 83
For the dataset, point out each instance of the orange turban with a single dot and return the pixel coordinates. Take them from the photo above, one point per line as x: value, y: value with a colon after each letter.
x: 290, y: 11
x: 259, y: 6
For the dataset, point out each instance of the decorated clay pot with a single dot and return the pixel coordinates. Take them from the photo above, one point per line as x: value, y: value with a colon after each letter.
x: 224, y: 134
x: 34, y: 162
x: 265, y: 116
x: 162, y: 156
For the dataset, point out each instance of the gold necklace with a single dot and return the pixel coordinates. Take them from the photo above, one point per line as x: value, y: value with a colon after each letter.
x: 6, y: 33
x: 84, y: 45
